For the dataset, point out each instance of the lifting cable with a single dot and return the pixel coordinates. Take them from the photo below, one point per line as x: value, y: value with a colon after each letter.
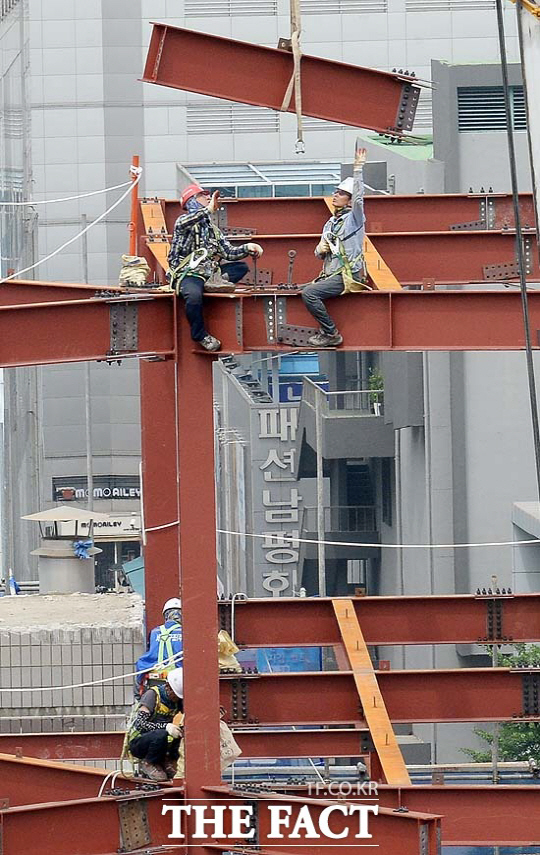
x: 295, y: 83
x: 519, y: 243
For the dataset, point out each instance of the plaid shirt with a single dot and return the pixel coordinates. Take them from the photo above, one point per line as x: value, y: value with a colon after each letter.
x: 196, y: 230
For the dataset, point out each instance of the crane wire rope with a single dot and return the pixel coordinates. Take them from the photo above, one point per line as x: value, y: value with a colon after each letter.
x: 519, y: 243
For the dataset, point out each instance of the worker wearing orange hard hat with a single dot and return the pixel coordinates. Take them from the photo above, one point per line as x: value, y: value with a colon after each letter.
x: 197, y: 249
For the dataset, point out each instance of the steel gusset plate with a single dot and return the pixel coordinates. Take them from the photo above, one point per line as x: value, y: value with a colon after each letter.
x: 124, y: 319
x: 407, y: 107
x: 290, y: 333
x: 134, y: 828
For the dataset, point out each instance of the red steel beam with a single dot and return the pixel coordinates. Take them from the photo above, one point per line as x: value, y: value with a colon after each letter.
x: 435, y: 320
x: 467, y: 694
x: 80, y: 827
x: 390, y: 832
x: 472, y: 815
x: 50, y: 331
x: 280, y: 622
x: 415, y: 213
x: 257, y: 75
x: 333, y: 742
x: 27, y: 780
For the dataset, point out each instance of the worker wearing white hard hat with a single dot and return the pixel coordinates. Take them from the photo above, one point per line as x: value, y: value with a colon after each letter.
x: 154, y: 736
x: 165, y: 647
x: 341, y: 248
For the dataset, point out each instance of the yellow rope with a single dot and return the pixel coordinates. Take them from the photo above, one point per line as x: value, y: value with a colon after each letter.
x: 295, y: 83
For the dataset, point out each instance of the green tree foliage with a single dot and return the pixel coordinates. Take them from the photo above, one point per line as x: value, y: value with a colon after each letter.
x: 519, y: 741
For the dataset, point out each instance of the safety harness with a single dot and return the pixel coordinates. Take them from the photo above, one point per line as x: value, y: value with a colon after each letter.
x: 337, y: 248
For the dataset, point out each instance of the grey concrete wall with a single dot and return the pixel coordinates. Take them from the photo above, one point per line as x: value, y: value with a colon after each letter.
x: 473, y: 159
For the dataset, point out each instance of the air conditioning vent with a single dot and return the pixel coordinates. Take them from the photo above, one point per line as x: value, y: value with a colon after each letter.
x: 481, y: 108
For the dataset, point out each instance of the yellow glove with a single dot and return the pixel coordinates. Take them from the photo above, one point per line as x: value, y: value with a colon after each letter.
x: 254, y: 249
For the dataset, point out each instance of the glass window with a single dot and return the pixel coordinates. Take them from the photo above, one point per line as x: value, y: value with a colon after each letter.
x: 291, y: 190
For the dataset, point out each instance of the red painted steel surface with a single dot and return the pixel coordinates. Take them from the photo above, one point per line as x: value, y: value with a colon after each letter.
x: 384, y: 620
x: 467, y: 694
x: 50, y: 331
x: 194, y: 445
x: 77, y: 827
x: 251, y: 74
x: 29, y: 781
x: 414, y: 213
x: 160, y: 486
x: 391, y: 832
x: 337, y: 742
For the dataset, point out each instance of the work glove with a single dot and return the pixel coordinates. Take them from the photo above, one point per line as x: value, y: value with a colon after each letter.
x: 213, y: 204
x: 322, y: 248
x: 254, y: 249
x: 173, y: 730
x: 360, y: 155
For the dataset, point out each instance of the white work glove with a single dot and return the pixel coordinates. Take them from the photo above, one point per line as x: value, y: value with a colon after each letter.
x: 322, y: 248
x: 254, y: 249
x: 173, y: 730
x: 213, y: 204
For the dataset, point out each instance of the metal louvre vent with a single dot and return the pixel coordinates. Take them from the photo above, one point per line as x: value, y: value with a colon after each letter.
x: 423, y: 118
x: 229, y: 8
x: 310, y: 124
x: 481, y: 108
x: 448, y: 5
x: 342, y: 7
x: 230, y: 118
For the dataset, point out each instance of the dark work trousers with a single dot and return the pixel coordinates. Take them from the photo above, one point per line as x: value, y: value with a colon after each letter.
x: 154, y: 747
x: 192, y: 290
x: 316, y: 293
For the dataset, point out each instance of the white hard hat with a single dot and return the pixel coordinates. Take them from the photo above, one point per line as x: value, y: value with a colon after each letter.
x: 173, y: 603
x: 175, y: 679
x: 346, y: 185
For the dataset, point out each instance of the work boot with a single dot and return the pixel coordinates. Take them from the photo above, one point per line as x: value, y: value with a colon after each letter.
x: 323, y: 339
x: 210, y: 343
x: 152, y: 772
x: 171, y: 768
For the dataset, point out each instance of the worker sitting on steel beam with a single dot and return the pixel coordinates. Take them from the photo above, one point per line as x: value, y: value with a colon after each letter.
x: 197, y: 249
x: 153, y: 737
x: 165, y: 648
x: 342, y: 248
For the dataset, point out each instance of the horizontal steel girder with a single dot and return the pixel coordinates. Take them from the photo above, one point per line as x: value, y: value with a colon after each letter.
x: 386, y: 620
x: 337, y: 742
x: 83, y: 826
x: 69, y: 326
x: 252, y: 74
x: 467, y: 694
x: 483, y: 815
x: 402, y: 320
x: 297, y: 215
x: 391, y: 832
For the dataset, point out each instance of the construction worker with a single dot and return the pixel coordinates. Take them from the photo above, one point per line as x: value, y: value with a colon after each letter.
x: 153, y: 737
x: 341, y: 248
x: 197, y: 249
x: 165, y: 647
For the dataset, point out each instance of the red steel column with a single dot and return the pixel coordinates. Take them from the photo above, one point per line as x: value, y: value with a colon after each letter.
x: 198, y: 564
x: 160, y: 486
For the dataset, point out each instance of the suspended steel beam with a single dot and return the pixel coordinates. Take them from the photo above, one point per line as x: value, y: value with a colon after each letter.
x: 281, y: 622
x: 257, y: 75
x: 330, y: 697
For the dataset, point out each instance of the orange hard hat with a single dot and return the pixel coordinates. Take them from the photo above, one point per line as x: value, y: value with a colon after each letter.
x: 189, y: 192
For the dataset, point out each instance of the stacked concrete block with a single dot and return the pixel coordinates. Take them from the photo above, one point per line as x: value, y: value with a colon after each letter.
x: 45, y: 671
